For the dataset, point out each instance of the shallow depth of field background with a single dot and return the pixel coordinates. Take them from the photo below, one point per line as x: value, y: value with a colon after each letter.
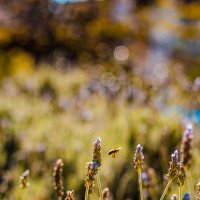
x: 126, y: 71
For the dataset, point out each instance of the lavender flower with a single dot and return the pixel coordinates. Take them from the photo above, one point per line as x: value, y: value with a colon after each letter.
x: 174, y: 166
x: 91, y: 174
x: 138, y: 159
x: 186, y: 196
x: 92, y: 167
x: 186, y: 146
x: 181, y: 176
x: 97, y: 152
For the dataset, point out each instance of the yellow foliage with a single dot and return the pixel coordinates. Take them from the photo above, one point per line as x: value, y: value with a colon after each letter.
x: 5, y: 35
x: 190, y: 11
x: 21, y: 61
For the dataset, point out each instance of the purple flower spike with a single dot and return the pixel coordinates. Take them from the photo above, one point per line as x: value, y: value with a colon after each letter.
x: 97, y: 152
x: 139, y: 148
x: 186, y: 196
x: 186, y: 147
x: 174, y: 156
x: 98, y: 141
x: 174, y: 166
x: 138, y: 158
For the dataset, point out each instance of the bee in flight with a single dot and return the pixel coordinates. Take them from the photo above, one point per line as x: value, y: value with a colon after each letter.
x: 114, y: 151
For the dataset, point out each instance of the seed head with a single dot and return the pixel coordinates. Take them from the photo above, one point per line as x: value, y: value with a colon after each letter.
x: 186, y: 196
x: 198, y: 191
x: 70, y: 195
x: 57, y: 174
x: 138, y: 159
x: 174, y: 197
x: 24, y: 179
x: 97, y: 152
x: 105, y: 194
x: 174, y: 166
x: 186, y: 147
x: 181, y: 175
x: 198, y: 186
x: 91, y: 172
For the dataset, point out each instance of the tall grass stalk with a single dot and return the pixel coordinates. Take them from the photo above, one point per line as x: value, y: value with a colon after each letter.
x: 166, y: 189
x: 188, y: 186
x: 99, y: 186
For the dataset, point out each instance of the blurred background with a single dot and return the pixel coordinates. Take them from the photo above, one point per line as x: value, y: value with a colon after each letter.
x: 70, y: 71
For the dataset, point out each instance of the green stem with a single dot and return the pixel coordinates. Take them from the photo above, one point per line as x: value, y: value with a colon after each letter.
x: 99, y: 186
x: 189, y: 183
x: 179, y: 193
x: 140, y: 184
x: 86, y: 191
x: 166, y: 189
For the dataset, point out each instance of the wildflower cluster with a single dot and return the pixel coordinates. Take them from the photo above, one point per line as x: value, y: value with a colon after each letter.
x: 177, y: 168
x: 146, y: 177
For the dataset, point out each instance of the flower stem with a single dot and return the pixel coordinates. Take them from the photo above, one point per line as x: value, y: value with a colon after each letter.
x: 179, y: 193
x: 99, y: 186
x: 86, y: 191
x: 140, y: 184
x: 166, y: 189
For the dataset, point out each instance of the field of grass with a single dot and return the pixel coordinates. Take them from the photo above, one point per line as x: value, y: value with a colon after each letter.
x: 47, y: 114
